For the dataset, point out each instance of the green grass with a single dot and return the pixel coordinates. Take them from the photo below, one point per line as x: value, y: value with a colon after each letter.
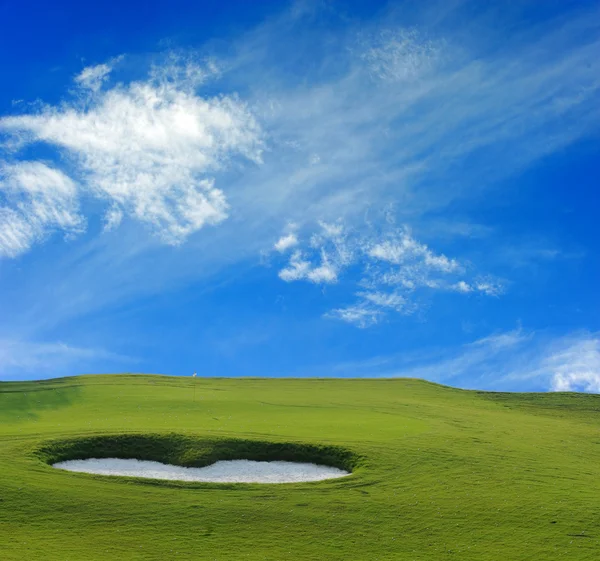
x: 438, y: 473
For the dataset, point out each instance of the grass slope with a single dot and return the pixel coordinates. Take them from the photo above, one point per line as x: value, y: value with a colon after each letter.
x: 443, y: 473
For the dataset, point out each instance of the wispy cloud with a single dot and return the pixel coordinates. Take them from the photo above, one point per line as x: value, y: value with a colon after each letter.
x: 42, y: 200
x: 574, y: 364
x: 285, y: 242
x: 21, y: 358
x: 513, y: 359
x: 392, y: 267
x: 394, y: 114
x: 399, y: 54
x: 92, y: 77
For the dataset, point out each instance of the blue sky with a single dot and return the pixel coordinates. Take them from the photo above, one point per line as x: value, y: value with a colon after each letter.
x: 302, y: 189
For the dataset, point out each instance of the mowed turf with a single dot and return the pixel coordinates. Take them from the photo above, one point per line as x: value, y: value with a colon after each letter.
x: 445, y: 473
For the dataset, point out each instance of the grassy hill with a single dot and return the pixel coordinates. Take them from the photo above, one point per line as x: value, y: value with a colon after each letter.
x: 441, y: 473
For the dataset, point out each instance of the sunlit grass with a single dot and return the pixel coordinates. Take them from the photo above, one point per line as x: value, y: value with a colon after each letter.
x: 442, y: 473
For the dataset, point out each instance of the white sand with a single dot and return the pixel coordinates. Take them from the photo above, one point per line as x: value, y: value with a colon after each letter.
x: 233, y: 471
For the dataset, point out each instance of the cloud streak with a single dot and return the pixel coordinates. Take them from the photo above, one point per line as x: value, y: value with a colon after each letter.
x: 34, y: 359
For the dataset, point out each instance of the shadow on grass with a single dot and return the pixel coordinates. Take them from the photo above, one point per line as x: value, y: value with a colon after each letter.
x: 20, y: 402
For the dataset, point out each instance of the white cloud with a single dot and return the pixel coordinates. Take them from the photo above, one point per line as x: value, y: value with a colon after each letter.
x: 112, y: 218
x: 577, y: 382
x: 516, y: 359
x: 391, y: 300
x: 567, y: 363
x: 395, y: 253
x: 441, y: 262
x: 42, y: 200
x: 149, y: 149
x: 324, y: 273
x: 183, y: 70
x: 297, y: 269
x: 403, y: 248
x: 286, y: 242
x: 576, y: 366
x: 329, y: 231
x: 92, y: 77
x: 359, y: 315
x: 301, y: 269
x: 327, y: 254
x: 392, y: 265
x: 16, y: 233
x: 490, y: 287
x: 462, y: 286
x: 371, y: 308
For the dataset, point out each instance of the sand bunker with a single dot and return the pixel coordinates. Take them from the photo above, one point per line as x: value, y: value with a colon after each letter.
x: 231, y: 471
